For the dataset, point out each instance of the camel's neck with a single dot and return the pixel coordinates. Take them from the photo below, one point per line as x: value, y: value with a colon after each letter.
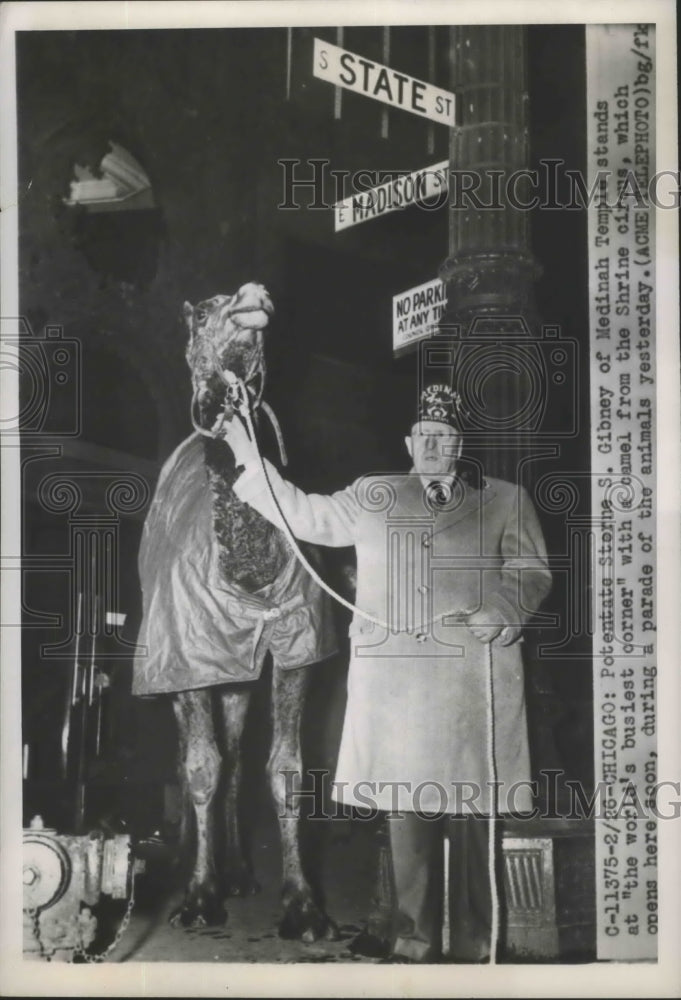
x: 252, y: 551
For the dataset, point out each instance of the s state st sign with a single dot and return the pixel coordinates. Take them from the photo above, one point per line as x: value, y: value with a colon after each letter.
x: 363, y: 76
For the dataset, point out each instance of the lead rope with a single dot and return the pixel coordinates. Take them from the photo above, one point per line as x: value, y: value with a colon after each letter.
x: 491, y: 842
x: 277, y: 430
x: 239, y: 400
x: 244, y: 409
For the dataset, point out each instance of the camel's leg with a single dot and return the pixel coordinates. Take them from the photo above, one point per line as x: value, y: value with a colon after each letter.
x: 184, y: 853
x: 202, y: 905
x: 238, y: 876
x: 186, y: 825
x: 303, y: 918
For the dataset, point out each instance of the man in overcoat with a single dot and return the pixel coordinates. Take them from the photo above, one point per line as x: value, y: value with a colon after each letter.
x: 447, y: 563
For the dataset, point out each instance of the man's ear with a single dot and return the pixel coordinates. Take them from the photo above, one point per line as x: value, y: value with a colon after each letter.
x: 410, y: 447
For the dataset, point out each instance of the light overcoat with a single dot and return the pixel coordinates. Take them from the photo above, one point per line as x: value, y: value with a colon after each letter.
x: 418, y: 722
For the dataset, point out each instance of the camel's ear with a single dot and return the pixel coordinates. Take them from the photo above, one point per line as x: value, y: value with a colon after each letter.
x: 188, y: 313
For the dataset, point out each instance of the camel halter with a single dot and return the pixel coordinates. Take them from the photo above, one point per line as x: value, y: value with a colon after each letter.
x: 237, y: 396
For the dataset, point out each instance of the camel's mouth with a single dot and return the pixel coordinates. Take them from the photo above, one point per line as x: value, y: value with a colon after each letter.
x: 250, y: 317
x: 266, y: 307
x: 251, y: 307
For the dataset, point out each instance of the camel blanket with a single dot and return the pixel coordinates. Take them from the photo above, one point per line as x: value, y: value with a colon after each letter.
x: 198, y: 629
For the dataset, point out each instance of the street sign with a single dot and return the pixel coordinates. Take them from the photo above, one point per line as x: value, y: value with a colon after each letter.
x: 363, y: 76
x: 427, y: 185
x: 416, y: 314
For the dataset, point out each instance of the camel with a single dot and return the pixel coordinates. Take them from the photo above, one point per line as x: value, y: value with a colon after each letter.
x: 221, y: 586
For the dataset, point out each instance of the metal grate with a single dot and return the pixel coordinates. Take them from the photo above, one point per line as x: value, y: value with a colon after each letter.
x: 530, y: 895
x: 523, y: 880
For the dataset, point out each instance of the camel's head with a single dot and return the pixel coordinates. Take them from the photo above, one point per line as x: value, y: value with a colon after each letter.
x: 226, y: 332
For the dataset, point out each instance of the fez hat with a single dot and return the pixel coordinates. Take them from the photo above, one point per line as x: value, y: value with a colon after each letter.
x: 440, y: 403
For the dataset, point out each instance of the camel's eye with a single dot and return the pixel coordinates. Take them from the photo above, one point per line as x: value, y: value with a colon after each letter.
x: 200, y: 314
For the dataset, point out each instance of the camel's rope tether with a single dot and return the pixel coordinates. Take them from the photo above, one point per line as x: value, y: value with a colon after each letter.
x: 491, y: 842
x: 241, y: 403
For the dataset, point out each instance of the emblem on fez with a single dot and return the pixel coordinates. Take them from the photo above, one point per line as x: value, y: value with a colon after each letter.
x: 439, y: 402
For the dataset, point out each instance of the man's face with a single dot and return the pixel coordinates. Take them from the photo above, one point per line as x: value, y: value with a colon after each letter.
x: 434, y: 448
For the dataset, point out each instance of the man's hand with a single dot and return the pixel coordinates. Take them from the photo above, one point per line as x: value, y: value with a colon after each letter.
x: 484, y: 624
x: 236, y: 436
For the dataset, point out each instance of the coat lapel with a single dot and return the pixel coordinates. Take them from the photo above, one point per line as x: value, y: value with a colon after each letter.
x: 412, y: 500
x: 467, y: 499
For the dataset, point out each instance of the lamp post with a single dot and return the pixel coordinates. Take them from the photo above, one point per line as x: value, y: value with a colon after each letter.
x: 490, y: 271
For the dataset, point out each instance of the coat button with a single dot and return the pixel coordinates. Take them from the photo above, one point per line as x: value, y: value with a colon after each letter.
x: 423, y: 589
x: 426, y: 542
